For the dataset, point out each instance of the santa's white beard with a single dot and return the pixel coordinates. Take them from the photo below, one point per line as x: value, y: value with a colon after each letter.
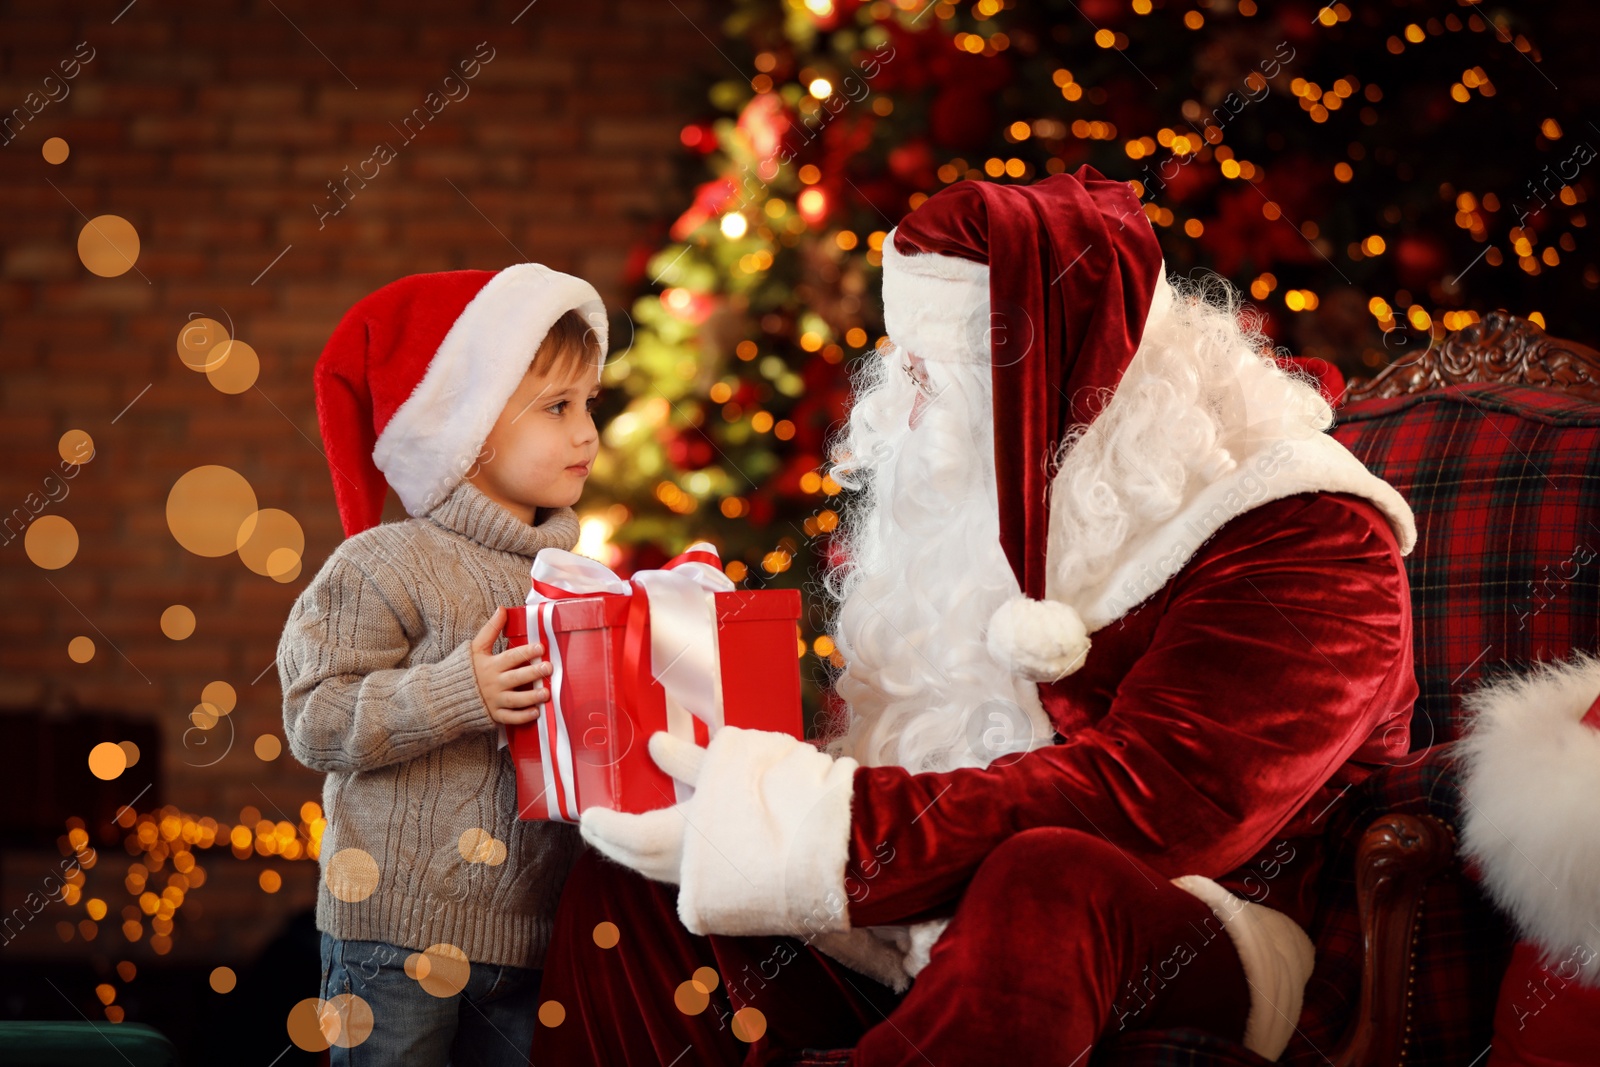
x: 925, y: 572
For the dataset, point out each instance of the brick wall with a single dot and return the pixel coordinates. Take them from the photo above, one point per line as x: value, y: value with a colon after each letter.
x: 214, y: 129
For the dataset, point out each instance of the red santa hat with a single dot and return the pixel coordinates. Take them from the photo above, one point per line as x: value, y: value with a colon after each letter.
x: 1057, y: 312
x: 1530, y: 788
x: 416, y: 373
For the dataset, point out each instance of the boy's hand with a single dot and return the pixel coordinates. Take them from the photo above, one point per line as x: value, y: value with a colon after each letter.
x: 499, y: 675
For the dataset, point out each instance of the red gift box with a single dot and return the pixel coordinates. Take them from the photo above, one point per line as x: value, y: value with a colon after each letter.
x: 588, y: 748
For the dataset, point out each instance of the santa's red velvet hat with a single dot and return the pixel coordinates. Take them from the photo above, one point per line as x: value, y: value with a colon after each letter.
x: 1535, y: 851
x: 416, y: 373
x: 1052, y: 285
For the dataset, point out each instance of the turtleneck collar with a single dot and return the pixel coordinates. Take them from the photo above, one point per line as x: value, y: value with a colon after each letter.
x: 470, y: 513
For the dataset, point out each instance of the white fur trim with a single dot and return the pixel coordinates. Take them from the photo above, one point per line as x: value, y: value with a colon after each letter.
x: 1277, y: 957
x: 1042, y: 640
x: 892, y: 954
x: 936, y: 306
x: 871, y: 951
x: 767, y: 849
x: 1274, y: 470
x: 1531, y: 799
x: 432, y: 440
x: 921, y: 937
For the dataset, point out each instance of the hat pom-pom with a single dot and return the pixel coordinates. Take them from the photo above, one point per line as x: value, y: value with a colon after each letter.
x: 1042, y: 640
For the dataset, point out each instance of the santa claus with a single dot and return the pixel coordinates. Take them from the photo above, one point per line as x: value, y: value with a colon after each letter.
x: 1120, y: 624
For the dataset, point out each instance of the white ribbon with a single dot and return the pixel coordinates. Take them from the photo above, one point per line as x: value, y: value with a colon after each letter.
x: 684, y: 654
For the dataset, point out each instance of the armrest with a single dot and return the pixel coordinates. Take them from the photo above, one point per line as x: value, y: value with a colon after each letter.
x: 1397, y: 857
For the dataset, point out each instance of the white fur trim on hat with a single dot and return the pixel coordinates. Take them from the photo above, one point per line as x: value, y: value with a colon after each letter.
x: 1277, y: 957
x: 1531, y: 805
x: 1041, y: 640
x: 936, y: 306
x: 433, y: 439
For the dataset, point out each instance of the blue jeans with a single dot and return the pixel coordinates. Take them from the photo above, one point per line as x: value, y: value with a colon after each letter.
x: 487, y: 1024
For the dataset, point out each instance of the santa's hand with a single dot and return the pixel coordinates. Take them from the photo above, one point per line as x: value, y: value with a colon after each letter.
x: 650, y: 843
x: 761, y: 846
x: 679, y: 758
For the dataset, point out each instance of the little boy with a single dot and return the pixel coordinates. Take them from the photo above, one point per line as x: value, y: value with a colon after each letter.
x: 469, y: 393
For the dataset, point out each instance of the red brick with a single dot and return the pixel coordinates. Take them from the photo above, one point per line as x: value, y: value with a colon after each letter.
x: 276, y: 131
x: 276, y: 99
x: 228, y: 166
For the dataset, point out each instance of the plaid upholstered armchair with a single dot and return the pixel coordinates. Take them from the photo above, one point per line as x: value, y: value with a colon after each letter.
x: 1494, y: 440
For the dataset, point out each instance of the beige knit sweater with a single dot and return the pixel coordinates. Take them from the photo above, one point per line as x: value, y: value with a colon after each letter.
x: 378, y: 691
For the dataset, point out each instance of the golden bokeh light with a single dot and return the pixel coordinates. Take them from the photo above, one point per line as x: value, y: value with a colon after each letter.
x: 206, y: 508
x: 691, y: 998
x: 108, y: 245
x: 130, y: 752
x: 442, y: 970
x: 283, y: 565
x: 107, y: 761
x: 346, y: 1020
x: 352, y: 875
x: 552, y: 1014
x: 223, y: 980
x: 268, y: 748
x: 305, y: 1024
x: 234, y: 367
x: 221, y: 696
x: 706, y: 978
x: 80, y: 649
x: 270, y: 881
x: 177, y: 622
x: 479, y: 846
x: 76, y: 447
x: 51, y: 542
x: 55, y: 150
x: 198, y: 341
x: 271, y: 543
x: 606, y: 934
x: 749, y: 1024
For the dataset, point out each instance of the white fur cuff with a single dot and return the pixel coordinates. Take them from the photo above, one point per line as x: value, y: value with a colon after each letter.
x: 1531, y: 790
x: 1277, y: 957
x: 862, y: 949
x: 767, y: 850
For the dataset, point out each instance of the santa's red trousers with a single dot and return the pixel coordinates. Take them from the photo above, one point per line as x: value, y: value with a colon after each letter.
x: 1059, y: 940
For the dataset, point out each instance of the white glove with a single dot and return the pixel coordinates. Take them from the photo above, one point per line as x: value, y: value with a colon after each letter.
x: 761, y: 846
x: 652, y: 842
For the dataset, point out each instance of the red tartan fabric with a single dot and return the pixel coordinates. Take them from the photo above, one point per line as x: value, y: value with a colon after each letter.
x: 1505, y: 484
x: 1504, y: 481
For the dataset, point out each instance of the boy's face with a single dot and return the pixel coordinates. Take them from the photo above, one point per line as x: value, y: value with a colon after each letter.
x: 540, y: 450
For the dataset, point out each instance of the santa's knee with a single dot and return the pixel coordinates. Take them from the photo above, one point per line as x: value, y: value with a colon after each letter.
x: 1058, y: 869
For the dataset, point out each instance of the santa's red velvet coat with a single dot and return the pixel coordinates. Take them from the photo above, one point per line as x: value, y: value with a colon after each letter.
x: 1208, y: 731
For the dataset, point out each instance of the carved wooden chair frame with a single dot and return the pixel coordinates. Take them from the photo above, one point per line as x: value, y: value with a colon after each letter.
x: 1399, y: 854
